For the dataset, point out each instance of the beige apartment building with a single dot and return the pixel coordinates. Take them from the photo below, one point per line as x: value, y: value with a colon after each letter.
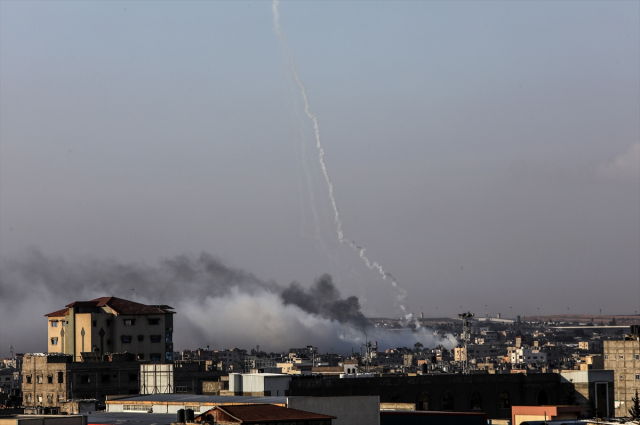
x: 623, y: 358
x: 112, y: 325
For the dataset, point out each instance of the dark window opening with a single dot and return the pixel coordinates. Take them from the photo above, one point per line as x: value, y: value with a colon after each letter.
x: 141, y: 356
x: 60, y: 378
x: 94, y: 323
x: 108, y: 342
x: 423, y: 401
x: 106, y: 377
x: 129, y: 322
x: 542, y: 398
x: 154, y: 321
x: 447, y: 401
x: 155, y: 357
x: 133, y: 377
x: 475, y: 401
x: 49, y: 379
x: 108, y: 322
x: 155, y: 338
x: 503, y: 400
x: 85, y: 379
x: 140, y: 337
x: 28, y: 379
x: 126, y: 339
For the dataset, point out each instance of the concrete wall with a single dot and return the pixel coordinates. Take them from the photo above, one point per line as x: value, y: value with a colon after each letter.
x: 620, y: 356
x: 44, y: 420
x: 521, y: 389
x: 353, y: 410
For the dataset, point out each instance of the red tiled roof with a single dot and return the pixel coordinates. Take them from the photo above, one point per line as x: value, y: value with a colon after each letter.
x: 58, y: 313
x: 248, y: 413
x: 120, y: 306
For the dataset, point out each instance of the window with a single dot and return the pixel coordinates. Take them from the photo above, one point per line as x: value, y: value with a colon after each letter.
x: 133, y: 377
x: 423, y: 401
x: 54, y: 323
x: 140, y: 337
x: 447, y: 402
x: 85, y: 379
x: 49, y: 398
x: 154, y: 321
x: 637, y: 377
x: 60, y: 378
x: 65, y: 323
x: 126, y: 339
x: 155, y: 338
x: 28, y: 379
x: 94, y: 323
x: 135, y: 408
x: 50, y: 379
x: 54, y: 341
x: 108, y: 322
x: 194, y: 408
x: 28, y: 398
x: 621, y: 357
x: 39, y: 399
x: 155, y: 357
x: 637, y: 357
x: 129, y: 322
x: 39, y: 379
x: 60, y: 397
x: 503, y: 400
x: 141, y: 356
x: 108, y: 342
x: 106, y: 377
x: 475, y: 401
x: 606, y: 357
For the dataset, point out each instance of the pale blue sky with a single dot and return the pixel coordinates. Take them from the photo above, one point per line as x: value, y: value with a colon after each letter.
x: 485, y: 153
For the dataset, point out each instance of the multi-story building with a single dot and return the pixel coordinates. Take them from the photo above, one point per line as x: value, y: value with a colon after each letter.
x: 49, y: 380
x: 623, y: 357
x: 527, y: 356
x: 112, y: 325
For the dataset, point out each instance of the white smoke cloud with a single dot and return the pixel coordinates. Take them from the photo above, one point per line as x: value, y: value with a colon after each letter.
x: 624, y: 167
x: 216, y: 305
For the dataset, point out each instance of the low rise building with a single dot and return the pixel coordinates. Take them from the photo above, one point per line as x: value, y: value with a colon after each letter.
x: 51, y: 379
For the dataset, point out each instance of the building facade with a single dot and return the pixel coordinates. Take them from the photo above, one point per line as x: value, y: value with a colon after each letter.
x: 623, y: 358
x: 112, y: 325
x: 49, y: 380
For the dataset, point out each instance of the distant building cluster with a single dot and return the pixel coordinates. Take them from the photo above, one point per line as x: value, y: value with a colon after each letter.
x: 117, y: 356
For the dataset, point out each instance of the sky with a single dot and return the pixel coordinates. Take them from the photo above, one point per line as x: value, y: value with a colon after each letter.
x: 486, y: 155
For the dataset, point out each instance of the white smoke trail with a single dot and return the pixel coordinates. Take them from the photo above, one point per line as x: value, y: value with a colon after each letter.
x: 372, y: 265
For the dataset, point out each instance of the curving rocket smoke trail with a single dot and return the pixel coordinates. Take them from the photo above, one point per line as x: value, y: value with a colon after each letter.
x: 372, y: 265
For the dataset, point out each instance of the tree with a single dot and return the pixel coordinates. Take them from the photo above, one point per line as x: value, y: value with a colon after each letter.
x: 612, y: 322
x: 570, y: 397
x: 417, y: 346
x: 634, y: 411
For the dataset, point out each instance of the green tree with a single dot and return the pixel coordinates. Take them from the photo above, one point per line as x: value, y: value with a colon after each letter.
x: 634, y: 411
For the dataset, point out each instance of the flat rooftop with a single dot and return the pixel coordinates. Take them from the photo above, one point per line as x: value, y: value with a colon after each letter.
x: 186, y: 399
x: 131, y: 418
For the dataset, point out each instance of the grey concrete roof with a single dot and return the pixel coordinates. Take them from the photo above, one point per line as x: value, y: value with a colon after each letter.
x: 130, y: 418
x: 191, y: 398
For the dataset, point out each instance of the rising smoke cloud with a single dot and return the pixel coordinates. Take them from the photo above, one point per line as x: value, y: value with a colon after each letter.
x: 217, y: 305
